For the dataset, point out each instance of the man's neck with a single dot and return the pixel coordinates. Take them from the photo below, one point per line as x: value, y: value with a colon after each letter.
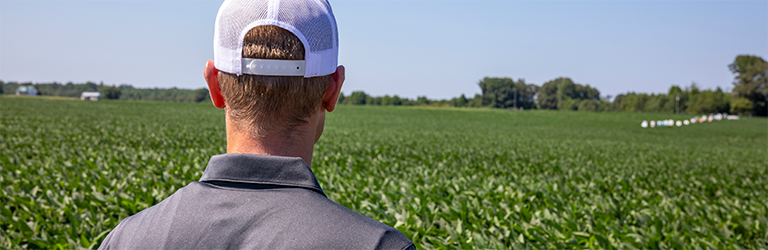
x: 300, y: 144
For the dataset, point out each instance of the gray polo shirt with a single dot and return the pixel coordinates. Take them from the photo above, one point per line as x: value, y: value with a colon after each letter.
x: 246, y: 201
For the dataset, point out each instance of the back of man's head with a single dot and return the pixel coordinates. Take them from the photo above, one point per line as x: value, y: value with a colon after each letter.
x: 264, y: 102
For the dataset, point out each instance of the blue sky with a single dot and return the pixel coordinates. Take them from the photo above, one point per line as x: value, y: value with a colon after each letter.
x: 439, y: 49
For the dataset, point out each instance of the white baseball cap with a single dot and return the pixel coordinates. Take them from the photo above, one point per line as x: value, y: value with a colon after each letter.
x: 312, y: 21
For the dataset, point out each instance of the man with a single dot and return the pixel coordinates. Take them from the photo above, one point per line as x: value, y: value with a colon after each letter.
x: 275, y: 74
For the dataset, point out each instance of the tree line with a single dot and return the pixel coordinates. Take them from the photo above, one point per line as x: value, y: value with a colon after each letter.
x: 750, y: 89
x: 560, y: 93
x: 749, y: 94
x: 122, y: 92
x: 362, y: 98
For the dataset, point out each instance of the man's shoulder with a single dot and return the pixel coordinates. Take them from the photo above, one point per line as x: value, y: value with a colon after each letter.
x: 332, y: 217
x: 314, y: 216
x: 142, y: 226
x: 276, y: 219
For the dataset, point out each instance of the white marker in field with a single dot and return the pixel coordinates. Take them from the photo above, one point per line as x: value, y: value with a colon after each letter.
x: 653, y: 124
x: 678, y: 123
x: 686, y: 122
x: 644, y: 124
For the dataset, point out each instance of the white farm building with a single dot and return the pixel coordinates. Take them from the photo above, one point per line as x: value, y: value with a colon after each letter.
x: 93, y: 96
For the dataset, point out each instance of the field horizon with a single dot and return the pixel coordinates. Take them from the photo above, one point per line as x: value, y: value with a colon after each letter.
x: 445, y: 177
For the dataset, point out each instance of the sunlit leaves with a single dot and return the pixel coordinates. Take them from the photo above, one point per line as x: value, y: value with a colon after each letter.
x: 72, y: 170
x: 454, y: 178
x: 447, y: 178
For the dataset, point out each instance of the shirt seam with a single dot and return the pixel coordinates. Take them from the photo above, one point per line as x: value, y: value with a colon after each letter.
x: 316, y: 188
x: 245, y: 189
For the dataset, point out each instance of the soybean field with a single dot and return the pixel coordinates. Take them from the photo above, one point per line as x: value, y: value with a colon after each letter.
x: 447, y: 178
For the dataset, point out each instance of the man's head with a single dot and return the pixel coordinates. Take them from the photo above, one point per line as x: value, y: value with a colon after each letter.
x: 295, y: 76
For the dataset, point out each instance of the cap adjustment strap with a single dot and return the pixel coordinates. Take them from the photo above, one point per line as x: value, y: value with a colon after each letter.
x: 272, y: 67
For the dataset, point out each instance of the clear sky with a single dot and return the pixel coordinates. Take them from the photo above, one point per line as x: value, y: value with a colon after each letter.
x: 439, y: 49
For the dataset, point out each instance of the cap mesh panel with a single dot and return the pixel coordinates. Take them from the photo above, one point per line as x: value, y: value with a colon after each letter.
x: 311, y: 20
x: 236, y: 17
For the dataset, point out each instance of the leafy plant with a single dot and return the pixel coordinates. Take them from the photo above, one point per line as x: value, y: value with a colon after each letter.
x: 447, y: 178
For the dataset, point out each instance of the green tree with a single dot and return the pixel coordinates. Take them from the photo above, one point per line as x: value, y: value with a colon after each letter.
x: 476, y: 101
x: 588, y: 105
x: 496, y: 91
x: 422, y: 100
x: 751, y: 81
x: 396, y: 100
x: 386, y: 100
x: 526, y: 94
x: 356, y: 98
x: 692, y: 101
x: 674, y: 104
x: 564, y: 94
x: 566, y: 91
x: 201, y: 95
x: 111, y: 93
x: 506, y: 93
x: 741, y: 106
x: 371, y: 100
x: 460, y: 101
x: 547, y: 97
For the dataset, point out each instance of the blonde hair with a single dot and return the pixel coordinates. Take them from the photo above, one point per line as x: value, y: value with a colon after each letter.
x: 271, y: 105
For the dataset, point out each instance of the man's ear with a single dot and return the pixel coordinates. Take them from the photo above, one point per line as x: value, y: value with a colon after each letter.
x: 211, y: 75
x: 331, y: 95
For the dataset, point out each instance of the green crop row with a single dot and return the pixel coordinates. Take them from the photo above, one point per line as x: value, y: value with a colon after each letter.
x: 447, y: 178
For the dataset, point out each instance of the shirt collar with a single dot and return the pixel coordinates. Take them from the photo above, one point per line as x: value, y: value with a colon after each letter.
x: 261, y: 169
